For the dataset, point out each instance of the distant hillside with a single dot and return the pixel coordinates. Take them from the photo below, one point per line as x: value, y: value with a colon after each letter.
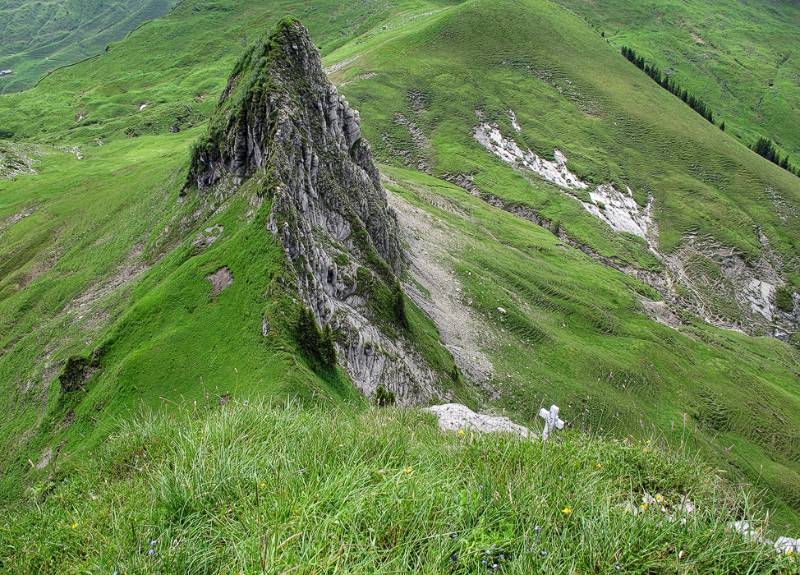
x: 41, y: 36
x: 743, y: 58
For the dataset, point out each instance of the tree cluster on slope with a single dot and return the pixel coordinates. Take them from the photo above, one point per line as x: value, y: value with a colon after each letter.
x: 668, y: 83
x: 767, y: 148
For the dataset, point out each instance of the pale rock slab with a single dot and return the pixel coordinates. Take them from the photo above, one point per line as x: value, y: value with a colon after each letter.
x: 454, y: 417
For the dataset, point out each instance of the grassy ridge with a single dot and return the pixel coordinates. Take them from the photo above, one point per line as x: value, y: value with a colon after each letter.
x: 252, y: 489
x: 41, y: 36
x: 112, y: 284
x: 177, y: 65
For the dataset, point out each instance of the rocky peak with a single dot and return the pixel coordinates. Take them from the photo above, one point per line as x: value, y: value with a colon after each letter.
x: 281, y: 121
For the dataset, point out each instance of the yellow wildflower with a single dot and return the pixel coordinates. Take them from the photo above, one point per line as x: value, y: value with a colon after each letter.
x: 644, y: 506
x: 262, y: 485
x: 461, y: 432
x: 408, y: 471
x: 74, y: 525
x: 567, y: 511
x: 659, y: 498
x: 599, y: 466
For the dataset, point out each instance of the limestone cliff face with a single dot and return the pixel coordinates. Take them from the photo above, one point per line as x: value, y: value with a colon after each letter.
x: 280, y: 120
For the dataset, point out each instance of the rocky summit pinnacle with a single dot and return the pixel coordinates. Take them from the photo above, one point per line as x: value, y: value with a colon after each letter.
x: 282, y: 124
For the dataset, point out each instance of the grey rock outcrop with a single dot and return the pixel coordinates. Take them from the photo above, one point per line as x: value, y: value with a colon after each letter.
x: 457, y: 417
x: 282, y: 124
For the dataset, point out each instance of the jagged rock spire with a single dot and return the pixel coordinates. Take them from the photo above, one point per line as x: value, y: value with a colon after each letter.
x: 281, y: 120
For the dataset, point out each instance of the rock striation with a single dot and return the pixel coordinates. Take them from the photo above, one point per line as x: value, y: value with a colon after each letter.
x: 282, y: 126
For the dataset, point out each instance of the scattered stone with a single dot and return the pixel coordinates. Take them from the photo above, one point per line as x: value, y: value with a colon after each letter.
x: 17, y: 159
x: 555, y: 172
x: 502, y: 310
x: 207, y: 237
x: 455, y: 417
x: 619, y: 210
x: 220, y: 280
x: 421, y: 142
x: 661, y: 312
x: 340, y: 65
x: 45, y: 458
x: 514, y: 122
x: 787, y: 545
x: 437, y: 291
x: 265, y: 327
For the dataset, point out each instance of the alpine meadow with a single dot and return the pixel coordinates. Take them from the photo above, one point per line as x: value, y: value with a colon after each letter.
x: 411, y: 286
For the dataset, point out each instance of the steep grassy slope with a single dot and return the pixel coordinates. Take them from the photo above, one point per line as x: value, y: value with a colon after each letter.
x: 574, y: 333
x: 86, y: 264
x: 741, y: 57
x: 253, y: 489
x: 41, y: 36
x: 614, y: 126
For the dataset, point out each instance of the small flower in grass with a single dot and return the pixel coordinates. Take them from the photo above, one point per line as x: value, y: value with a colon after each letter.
x: 643, y: 507
x: 408, y: 471
x: 617, y: 567
x: 659, y: 498
x: 454, y: 557
x: 262, y: 485
x: 461, y: 433
x: 542, y: 553
x: 567, y: 511
x: 153, y: 543
x: 74, y: 525
x: 598, y: 466
x: 151, y: 552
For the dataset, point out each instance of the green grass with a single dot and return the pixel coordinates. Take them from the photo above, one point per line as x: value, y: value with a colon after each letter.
x: 39, y: 37
x: 574, y: 333
x: 255, y: 489
x: 572, y: 91
x: 742, y: 58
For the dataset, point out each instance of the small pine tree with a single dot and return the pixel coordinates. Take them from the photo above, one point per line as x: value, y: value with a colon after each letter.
x: 317, y: 344
x: 384, y: 397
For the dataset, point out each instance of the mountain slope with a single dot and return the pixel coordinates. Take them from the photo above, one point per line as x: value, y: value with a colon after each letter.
x: 41, y: 36
x: 708, y: 192
x: 107, y: 257
x: 740, y: 57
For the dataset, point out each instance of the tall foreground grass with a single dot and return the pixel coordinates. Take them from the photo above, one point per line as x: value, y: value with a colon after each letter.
x: 266, y: 489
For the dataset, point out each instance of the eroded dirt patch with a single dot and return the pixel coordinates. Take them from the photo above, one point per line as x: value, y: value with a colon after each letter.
x: 220, y: 280
x: 438, y: 292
